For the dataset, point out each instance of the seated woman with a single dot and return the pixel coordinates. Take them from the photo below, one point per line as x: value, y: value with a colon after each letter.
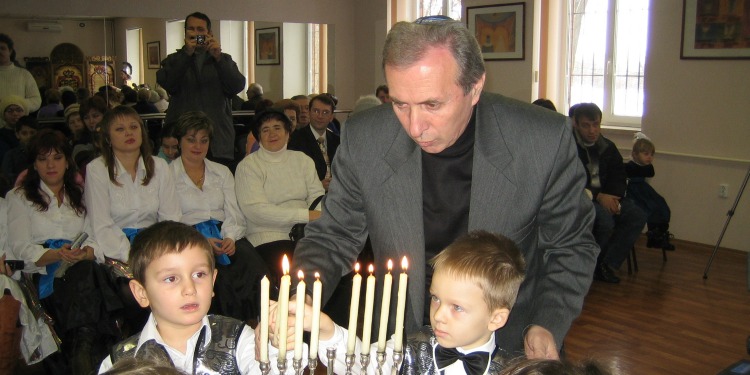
x: 44, y: 215
x: 275, y: 188
x: 127, y: 189
x: 208, y: 201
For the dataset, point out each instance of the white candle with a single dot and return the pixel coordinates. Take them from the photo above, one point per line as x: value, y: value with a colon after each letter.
x: 315, y: 329
x: 264, y: 300
x: 283, y: 308
x: 299, y: 317
x: 351, y: 338
x: 385, y: 307
x: 369, y: 301
x: 401, y: 307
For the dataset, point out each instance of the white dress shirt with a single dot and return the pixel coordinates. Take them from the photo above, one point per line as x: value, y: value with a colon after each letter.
x: 131, y: 205
x: 184, y: 361
x: 29, y: 228
x: 216, y: 201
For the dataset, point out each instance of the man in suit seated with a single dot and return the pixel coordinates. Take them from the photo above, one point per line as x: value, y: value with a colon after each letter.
x: 317, y: 141
x: 618, y: 222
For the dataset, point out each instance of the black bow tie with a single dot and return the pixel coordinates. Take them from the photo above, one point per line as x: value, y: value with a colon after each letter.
x: 475, y: 363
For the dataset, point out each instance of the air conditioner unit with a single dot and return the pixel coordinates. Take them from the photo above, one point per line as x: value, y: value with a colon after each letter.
x: 44, y: 26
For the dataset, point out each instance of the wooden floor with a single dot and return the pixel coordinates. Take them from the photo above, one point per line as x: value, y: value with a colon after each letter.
x: 666, y: 319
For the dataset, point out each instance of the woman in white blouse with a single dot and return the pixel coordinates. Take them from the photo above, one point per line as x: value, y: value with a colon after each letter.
x: 127, y: 189
x: 207, y: 197
x: 45, y: 214
x: 275, y: 188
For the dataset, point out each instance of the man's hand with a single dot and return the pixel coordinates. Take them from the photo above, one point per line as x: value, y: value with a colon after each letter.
x: 539, y: 343
x: 4, y: 268
x: 191, y: 43
x: 610, y: 202
x: 214, y: 47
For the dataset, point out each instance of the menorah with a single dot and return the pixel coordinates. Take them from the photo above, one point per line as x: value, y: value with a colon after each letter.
x: 350, y: 358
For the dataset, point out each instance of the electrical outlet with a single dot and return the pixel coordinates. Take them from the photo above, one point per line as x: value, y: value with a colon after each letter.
x: 724, y: 190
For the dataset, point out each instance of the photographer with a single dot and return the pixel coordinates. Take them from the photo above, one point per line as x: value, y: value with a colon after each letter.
x: 199, y: 77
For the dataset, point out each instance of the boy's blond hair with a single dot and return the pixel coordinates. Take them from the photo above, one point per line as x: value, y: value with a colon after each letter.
x: 165, y: 237
x: 491, y: 260
x: 643, y: 145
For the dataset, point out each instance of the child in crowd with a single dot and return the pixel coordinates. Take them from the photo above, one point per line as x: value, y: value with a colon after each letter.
x: 641, y: 193
x: 523, y: 366
x: 174, y: 273
x: 14, y: 161
x: 169, y: 149
x: 474, y: 287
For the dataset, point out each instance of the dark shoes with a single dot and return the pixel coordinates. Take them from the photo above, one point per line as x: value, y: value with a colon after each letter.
x: 659, y: 239
x: 604, y: 273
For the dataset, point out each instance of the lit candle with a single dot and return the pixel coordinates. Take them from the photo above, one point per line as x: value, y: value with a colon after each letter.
x: 283, y: 307
x: 299, y: 316
x: 400, y: 307
x: 351, y: 338
x: 264, y: 300
x: 385, y: 307
x: 369, y: 300
x: 315, y: 329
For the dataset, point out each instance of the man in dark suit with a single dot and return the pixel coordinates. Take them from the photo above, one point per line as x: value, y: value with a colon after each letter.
x: 445, y: 159
x: 317, y: 141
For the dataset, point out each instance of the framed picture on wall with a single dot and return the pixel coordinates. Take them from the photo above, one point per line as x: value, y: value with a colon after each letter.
x: 267, y: 49
x: 499, y: 30
x: 153, y: 51
x: 713, y: 29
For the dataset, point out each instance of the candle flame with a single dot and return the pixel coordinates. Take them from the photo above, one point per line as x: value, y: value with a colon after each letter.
x: 300, y: 274
x: 356, y: 267
x: 390, y: 265
x: 317, y: 276
x: 404, y: 263
x: 285, y: 265
x: 371, y: 268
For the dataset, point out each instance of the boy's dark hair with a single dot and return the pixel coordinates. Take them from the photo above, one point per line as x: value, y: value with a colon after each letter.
x: 492, y: 261
x: 165, y: 237
x: 27, y: 121
x: 192, y: 121
x: 268, y: 115
x: 326, y: 99
x: 383, y: 88
x: 640, y: 145
x: 524, y: 366
x: 199, y: 16
x: 590, y: 111
x: 546, y: 103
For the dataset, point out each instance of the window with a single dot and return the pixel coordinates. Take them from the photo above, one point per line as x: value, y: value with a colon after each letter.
x: 450, y: 8
x: 607, y: 55
x: 133, y: 54
x: 314, y: 54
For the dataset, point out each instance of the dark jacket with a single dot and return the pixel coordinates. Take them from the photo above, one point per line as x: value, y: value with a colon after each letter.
x: 602, y: 161
x: 304, y: 140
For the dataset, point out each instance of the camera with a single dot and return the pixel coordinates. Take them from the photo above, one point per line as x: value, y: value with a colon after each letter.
x: 200, y: 39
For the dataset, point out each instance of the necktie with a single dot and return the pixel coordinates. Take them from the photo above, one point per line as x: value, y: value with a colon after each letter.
x: 322, y: 145
x: 475, y: 363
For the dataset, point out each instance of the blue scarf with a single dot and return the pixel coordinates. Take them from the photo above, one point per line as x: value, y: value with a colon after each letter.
x: 210, y: 229
x: 47, y: 282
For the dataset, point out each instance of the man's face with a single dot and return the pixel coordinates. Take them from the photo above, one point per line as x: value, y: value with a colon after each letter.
x: 321, y: 115
x: 589, y: 129
x: 12, y: 114
x: 178, y: 287
x: 5, y: 53
x: 459, y: 314
x: 194, y: 27
x: 304, y: 112
x: 384, y: 98
x: 428, y: 102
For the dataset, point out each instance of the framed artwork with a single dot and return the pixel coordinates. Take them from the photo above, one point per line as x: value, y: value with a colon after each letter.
x: 499, y: 29
x: 267, y: 51
x: 715, y: 29
x: 153, y: 54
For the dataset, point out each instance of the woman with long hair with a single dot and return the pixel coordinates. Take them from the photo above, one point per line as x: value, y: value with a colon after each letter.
x: 46, y: 213
x: 127, y: 190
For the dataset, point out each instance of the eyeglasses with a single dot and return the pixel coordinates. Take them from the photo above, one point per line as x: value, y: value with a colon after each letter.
x: 324, y: 112
x: 432, y: 19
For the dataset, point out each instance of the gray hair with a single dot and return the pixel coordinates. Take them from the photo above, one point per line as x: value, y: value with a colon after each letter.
x: 365, y: 102
x: 255, y: 89
x: 408, y: 42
